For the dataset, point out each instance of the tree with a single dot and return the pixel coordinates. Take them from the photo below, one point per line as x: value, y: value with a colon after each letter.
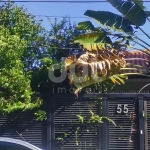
x: 103, y: 57
x: 21, y: 39
x: 60, y: 40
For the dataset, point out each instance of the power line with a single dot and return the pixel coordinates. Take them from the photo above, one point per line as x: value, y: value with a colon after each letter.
x: 49, y: 1
x: 60, y: 16
x: 47, y: 16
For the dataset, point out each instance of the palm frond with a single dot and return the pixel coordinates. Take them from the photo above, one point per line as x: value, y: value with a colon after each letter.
x: 91, y: 68
x: 85, y: 25
x: 111, y: 20
x: 130, y: 10
x: 94, y: 41
x: 117, y: 79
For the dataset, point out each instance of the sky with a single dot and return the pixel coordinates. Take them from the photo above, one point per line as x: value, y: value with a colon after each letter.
x: 75, y: 10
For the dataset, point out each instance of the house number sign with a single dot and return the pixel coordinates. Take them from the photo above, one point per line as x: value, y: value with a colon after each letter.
x: 122, y: 108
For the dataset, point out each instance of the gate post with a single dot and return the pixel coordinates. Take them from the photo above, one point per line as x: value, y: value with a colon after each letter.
x: 100, y: 126
x: 52, y: 124
x: 105, y: 134
x: 140, y: 123
x: 49, y: 124
x: 145, y: 126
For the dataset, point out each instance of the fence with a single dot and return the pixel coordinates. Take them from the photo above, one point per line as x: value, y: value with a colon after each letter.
x: 129, y: 112
x: 75, y: 123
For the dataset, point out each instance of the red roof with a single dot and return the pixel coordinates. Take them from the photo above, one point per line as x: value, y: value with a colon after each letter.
x: 139, y: 59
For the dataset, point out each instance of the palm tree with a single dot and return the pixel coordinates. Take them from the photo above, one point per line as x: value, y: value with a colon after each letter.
x: 104, y: 48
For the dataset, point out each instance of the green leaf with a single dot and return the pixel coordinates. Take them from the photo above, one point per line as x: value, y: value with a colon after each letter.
x: 40, y: 115
x: 93, y: 41
x: 117, y: 79
x: 81, y: 118
x: 85, y: 25
x: 131, y: 11
x: 112, y: 20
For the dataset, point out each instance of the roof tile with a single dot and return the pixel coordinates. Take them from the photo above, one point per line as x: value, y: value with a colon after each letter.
x: 139, y: 59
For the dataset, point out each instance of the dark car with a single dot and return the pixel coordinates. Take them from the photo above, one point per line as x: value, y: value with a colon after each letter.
x: 14, y: 144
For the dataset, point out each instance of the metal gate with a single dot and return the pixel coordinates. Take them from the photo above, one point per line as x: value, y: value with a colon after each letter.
x: 124, y: 134
x: 71, y: 127
x: 147, y: 123
x: 130, y: 112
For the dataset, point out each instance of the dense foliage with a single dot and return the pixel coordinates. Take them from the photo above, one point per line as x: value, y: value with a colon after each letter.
x: 18, y: 32
x: 27, y: 52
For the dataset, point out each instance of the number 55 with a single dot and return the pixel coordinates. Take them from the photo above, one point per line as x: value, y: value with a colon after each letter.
x: 123, y: 109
